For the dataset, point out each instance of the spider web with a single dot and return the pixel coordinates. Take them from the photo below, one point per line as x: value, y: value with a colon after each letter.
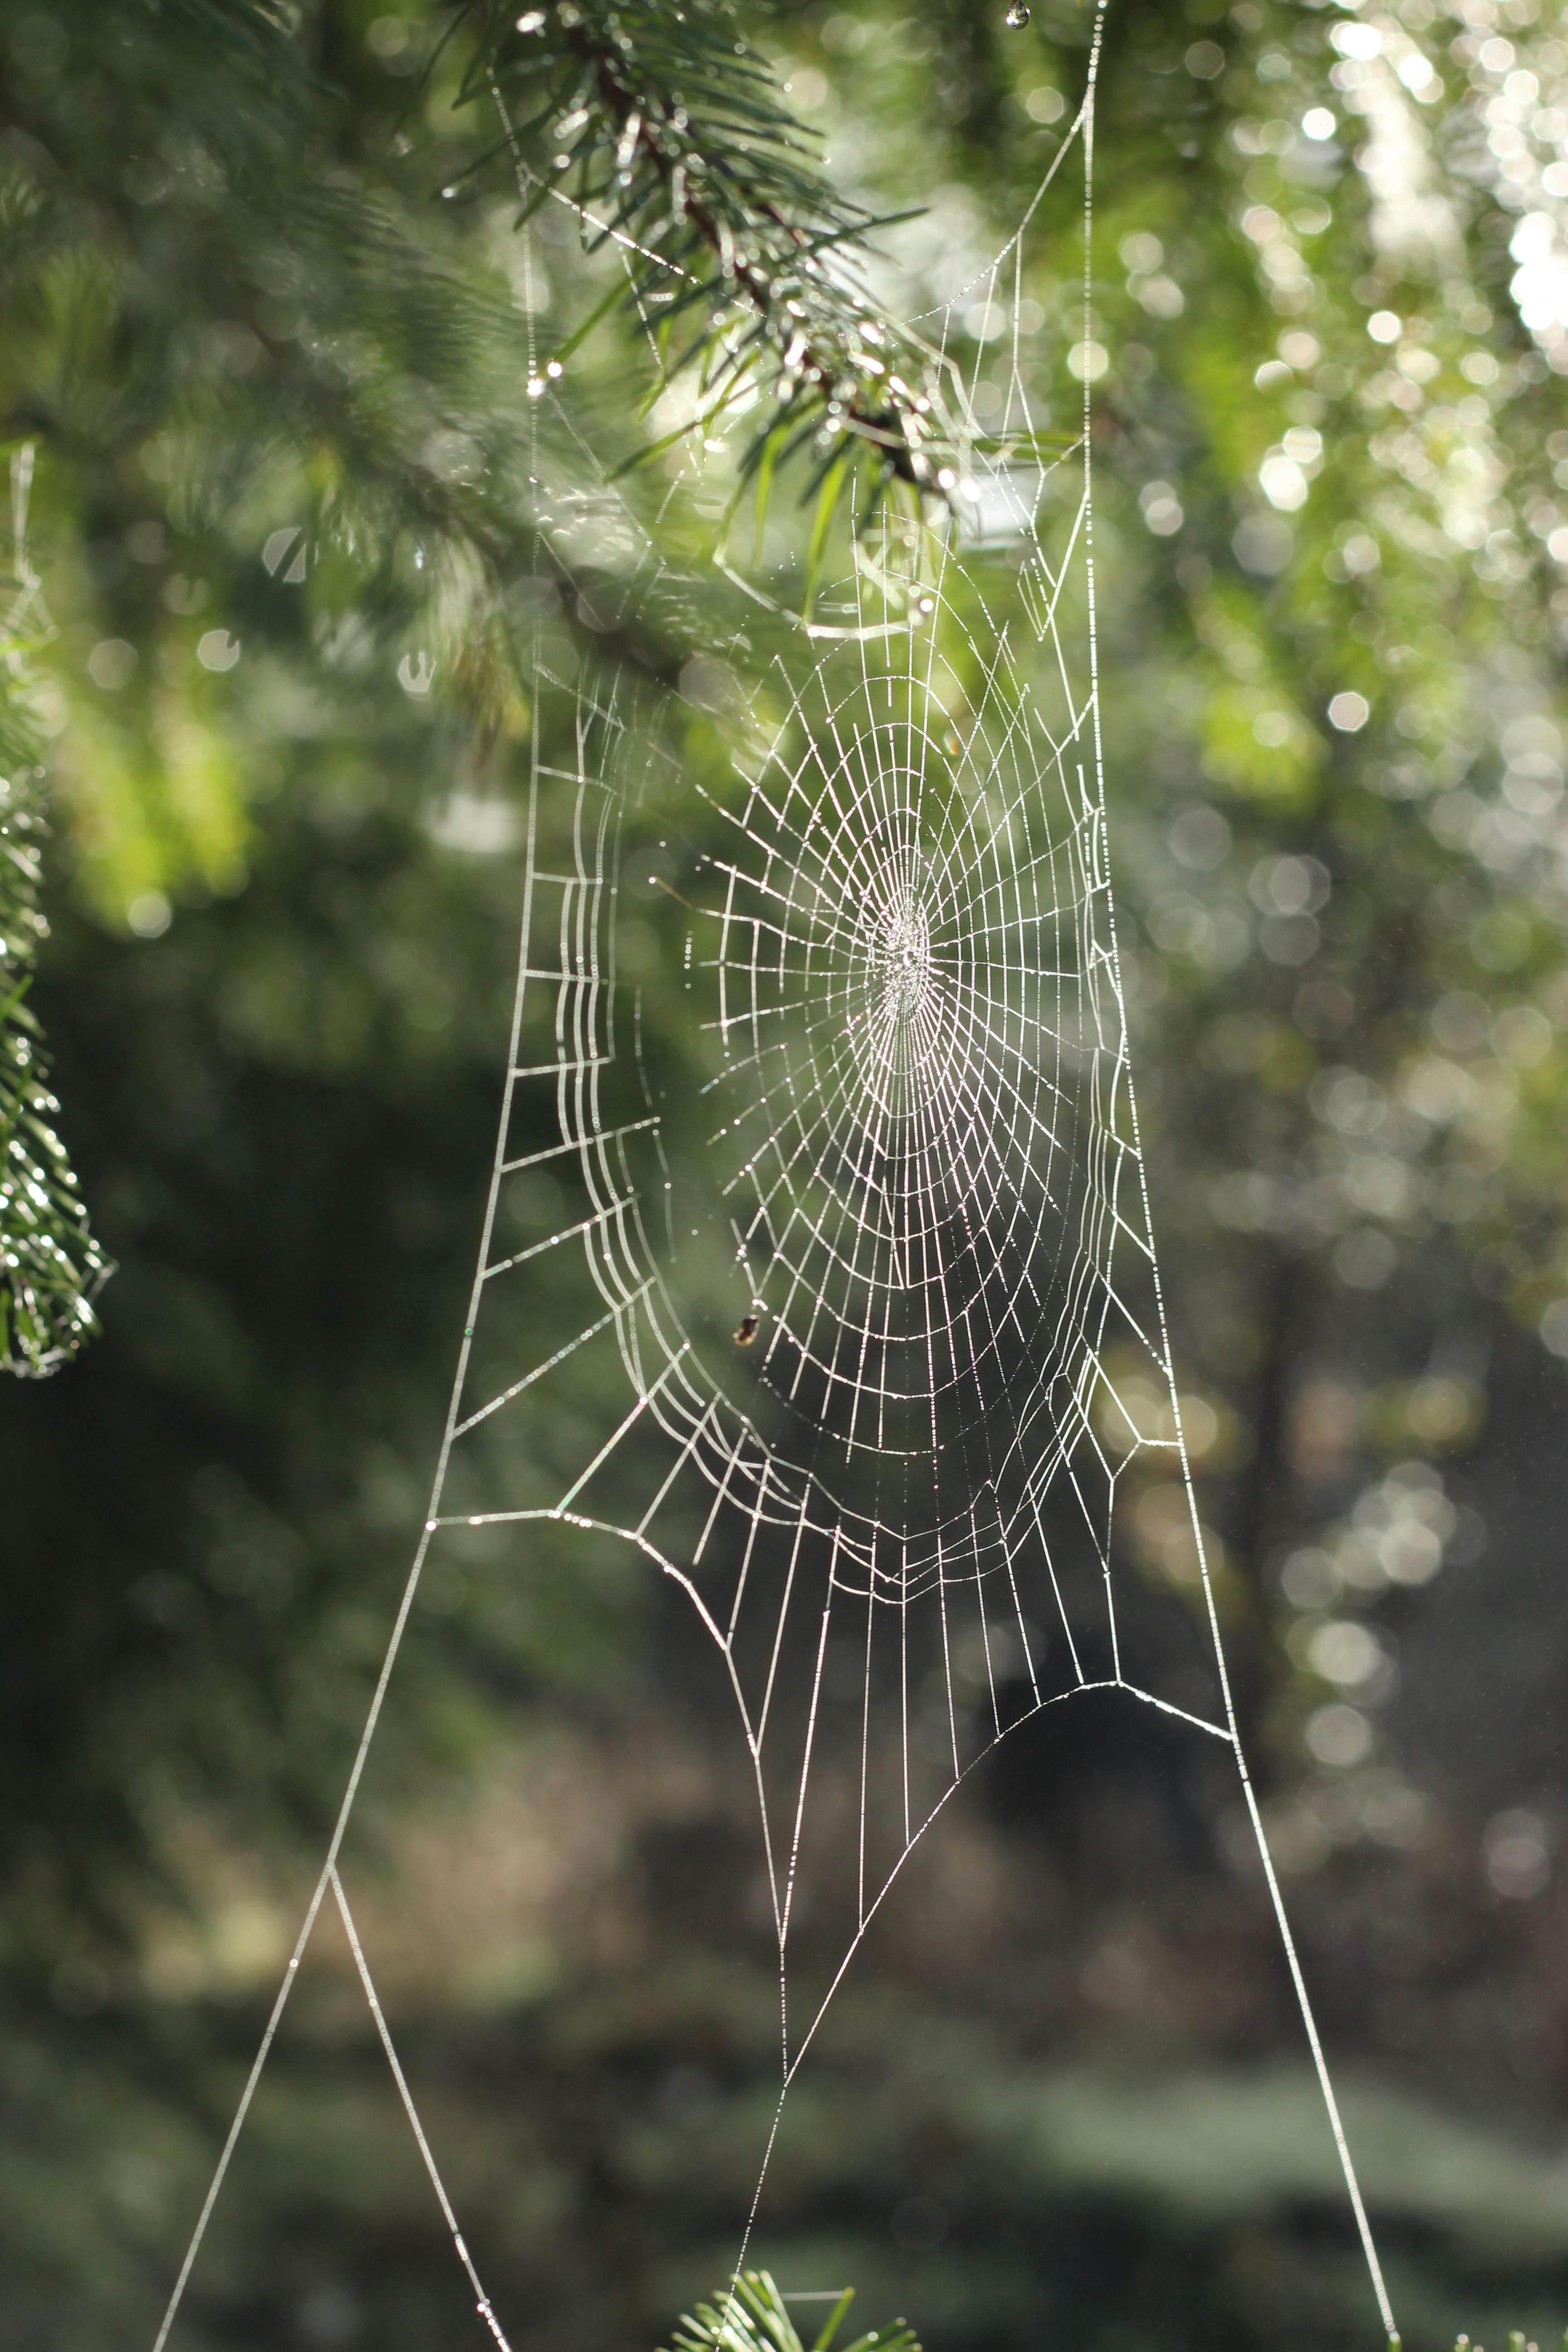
x: 819, y: 1219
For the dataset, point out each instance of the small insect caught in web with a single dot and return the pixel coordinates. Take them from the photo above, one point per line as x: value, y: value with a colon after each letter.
x: 745, y: 1330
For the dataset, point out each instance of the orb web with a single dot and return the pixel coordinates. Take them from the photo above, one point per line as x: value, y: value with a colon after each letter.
x: 901, y: 972
x: 816, y: 1266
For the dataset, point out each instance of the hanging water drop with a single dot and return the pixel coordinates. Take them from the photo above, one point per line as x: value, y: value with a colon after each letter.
x: 1017, y: 16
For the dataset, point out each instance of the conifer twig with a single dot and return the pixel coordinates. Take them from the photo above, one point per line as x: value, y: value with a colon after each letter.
x: 50, y: 1266
x: 752, y: 2316
x: 673, y: 138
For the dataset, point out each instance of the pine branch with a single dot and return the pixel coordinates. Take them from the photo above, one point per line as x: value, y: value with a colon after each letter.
x: 753, y: 2317
x: 673, y: 138
x: 374, y: 338
x: 50, y: 1266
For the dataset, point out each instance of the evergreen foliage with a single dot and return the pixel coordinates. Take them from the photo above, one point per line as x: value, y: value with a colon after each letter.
x: 50, y: 1266
x: 752, y: 2316
x: 674, y: 138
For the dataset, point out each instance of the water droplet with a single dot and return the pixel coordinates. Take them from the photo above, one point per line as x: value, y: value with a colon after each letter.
x: 448, y: 193
x: 1017, y: 16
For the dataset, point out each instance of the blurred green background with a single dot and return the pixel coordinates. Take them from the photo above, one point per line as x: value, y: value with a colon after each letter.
x: 277, y: 391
